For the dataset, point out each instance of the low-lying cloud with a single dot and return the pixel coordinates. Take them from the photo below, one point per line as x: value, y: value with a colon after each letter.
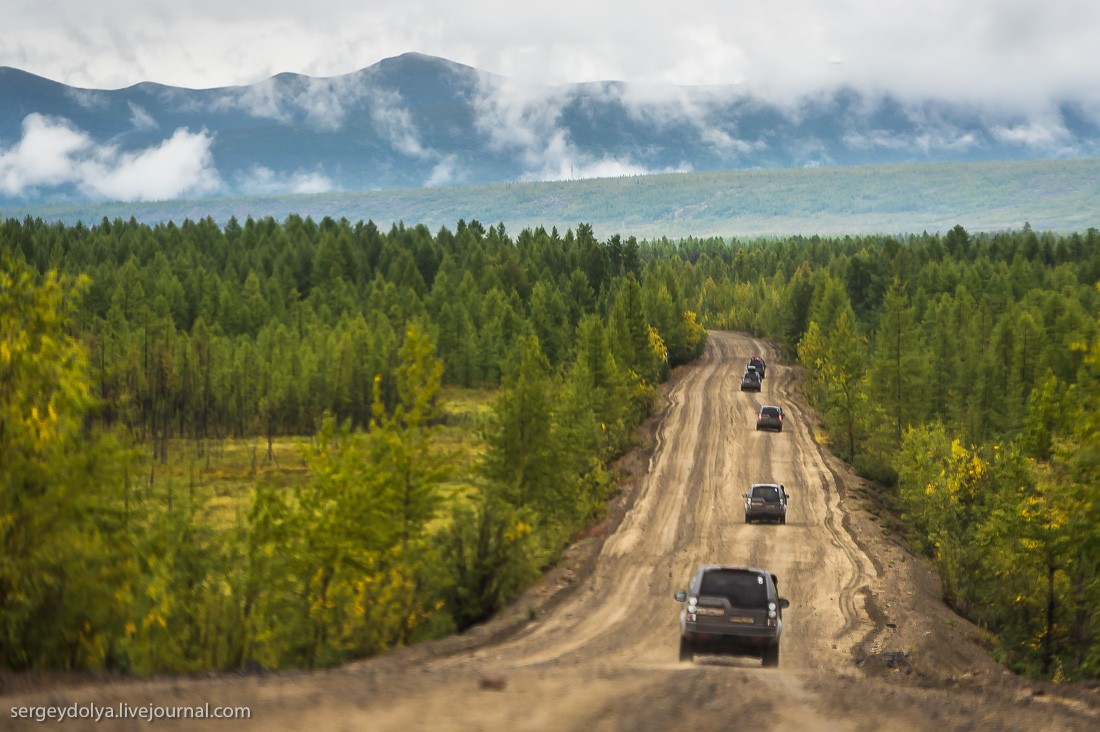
x: 323, y: 103
x: 525, y: 121
x: 261, y: 180
x: 1034, y: 134
x: 53, y: 154
x: 394, y: 122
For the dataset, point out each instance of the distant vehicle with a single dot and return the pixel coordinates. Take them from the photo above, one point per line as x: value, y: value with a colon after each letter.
x: 770, y: 418
x: 750, y: 381
x: 758, y: 363
x: 766, y: 502
x: 732, y: 610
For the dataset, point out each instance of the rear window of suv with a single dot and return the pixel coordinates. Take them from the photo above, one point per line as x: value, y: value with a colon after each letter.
x: 767, y: 492
x: 770, y: 412
x: 741, y: 587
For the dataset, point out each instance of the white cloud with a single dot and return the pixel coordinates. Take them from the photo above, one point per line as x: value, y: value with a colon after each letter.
x: 395, y: 123
x: 180, y: 166
x: 324, y: 100
x: 444, y: 173
x: 88, y: 98
x: 666, y: 105
x: 140, y: 119
x: 322, y: 103
x: 518, y: 116
x: 263, y: 99
x: 261, y: 180
x: 1035, y: 134
x: 523, y: 119
x: 52, y: 153
x: 46, y: 156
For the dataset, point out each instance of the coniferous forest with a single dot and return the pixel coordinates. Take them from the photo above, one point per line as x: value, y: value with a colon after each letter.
x: 290, y: 444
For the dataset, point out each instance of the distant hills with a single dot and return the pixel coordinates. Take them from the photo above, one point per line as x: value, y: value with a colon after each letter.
x: 1048, y: 195
x: 415, y: 122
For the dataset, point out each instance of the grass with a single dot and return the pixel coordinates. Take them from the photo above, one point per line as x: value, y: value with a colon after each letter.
x: 216, y: 477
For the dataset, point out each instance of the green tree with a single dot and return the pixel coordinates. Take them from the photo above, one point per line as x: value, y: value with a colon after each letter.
x: 522, y: 453
x: 65, y: 575
x: 838, y: 383
x: 486, y: 555
x: 897, y: 370
x: 549, y: 318
x: 630, y: 332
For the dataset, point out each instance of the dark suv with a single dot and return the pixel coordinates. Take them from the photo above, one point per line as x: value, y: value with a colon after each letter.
x: 750, y: 381
x: 758, y: 363
x: 732, y: 610
x: 770, y: 418
x: 766, y: 502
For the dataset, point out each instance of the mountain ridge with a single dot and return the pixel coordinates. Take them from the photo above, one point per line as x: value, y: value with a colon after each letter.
x: 418, y: 121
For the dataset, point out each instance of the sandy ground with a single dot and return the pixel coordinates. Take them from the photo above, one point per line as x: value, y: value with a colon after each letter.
x: 594, y: 647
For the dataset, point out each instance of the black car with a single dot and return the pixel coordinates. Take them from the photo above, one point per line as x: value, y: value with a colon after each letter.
x: 766, y: 502
x: 732, y: 610
x: 770, y: 418
x: 750, y: 381
x: 758, y: 363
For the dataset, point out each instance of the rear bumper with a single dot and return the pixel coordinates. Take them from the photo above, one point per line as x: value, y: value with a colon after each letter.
x: 756, y: 512
x: 741, y: 643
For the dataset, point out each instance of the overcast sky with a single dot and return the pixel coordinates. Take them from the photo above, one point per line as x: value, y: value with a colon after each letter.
x: 1020, y: 53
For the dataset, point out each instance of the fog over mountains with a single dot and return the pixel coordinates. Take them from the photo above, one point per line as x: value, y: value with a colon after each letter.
x: 418, y: 121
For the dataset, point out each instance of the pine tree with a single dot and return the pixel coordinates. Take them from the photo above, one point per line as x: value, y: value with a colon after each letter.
x: 523, y: 455
x: 897, y: 371
x: 629, y: 331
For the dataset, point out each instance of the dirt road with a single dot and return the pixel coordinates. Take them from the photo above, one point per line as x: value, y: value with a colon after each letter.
x: 596, y: 647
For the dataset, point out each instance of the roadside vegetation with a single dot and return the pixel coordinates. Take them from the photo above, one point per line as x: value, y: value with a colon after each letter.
x: 292, y: 444
x: 962, y: 374
x: 289, y: 445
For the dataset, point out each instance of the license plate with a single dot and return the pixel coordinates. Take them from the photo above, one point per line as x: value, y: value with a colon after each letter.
x: 742, y: 620
x: 710, y: 611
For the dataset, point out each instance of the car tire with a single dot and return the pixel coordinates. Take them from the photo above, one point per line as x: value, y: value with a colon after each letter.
x: 687, y: 653
x: 747, y: 519
x: 771, y: 657
x: 783, y: 519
